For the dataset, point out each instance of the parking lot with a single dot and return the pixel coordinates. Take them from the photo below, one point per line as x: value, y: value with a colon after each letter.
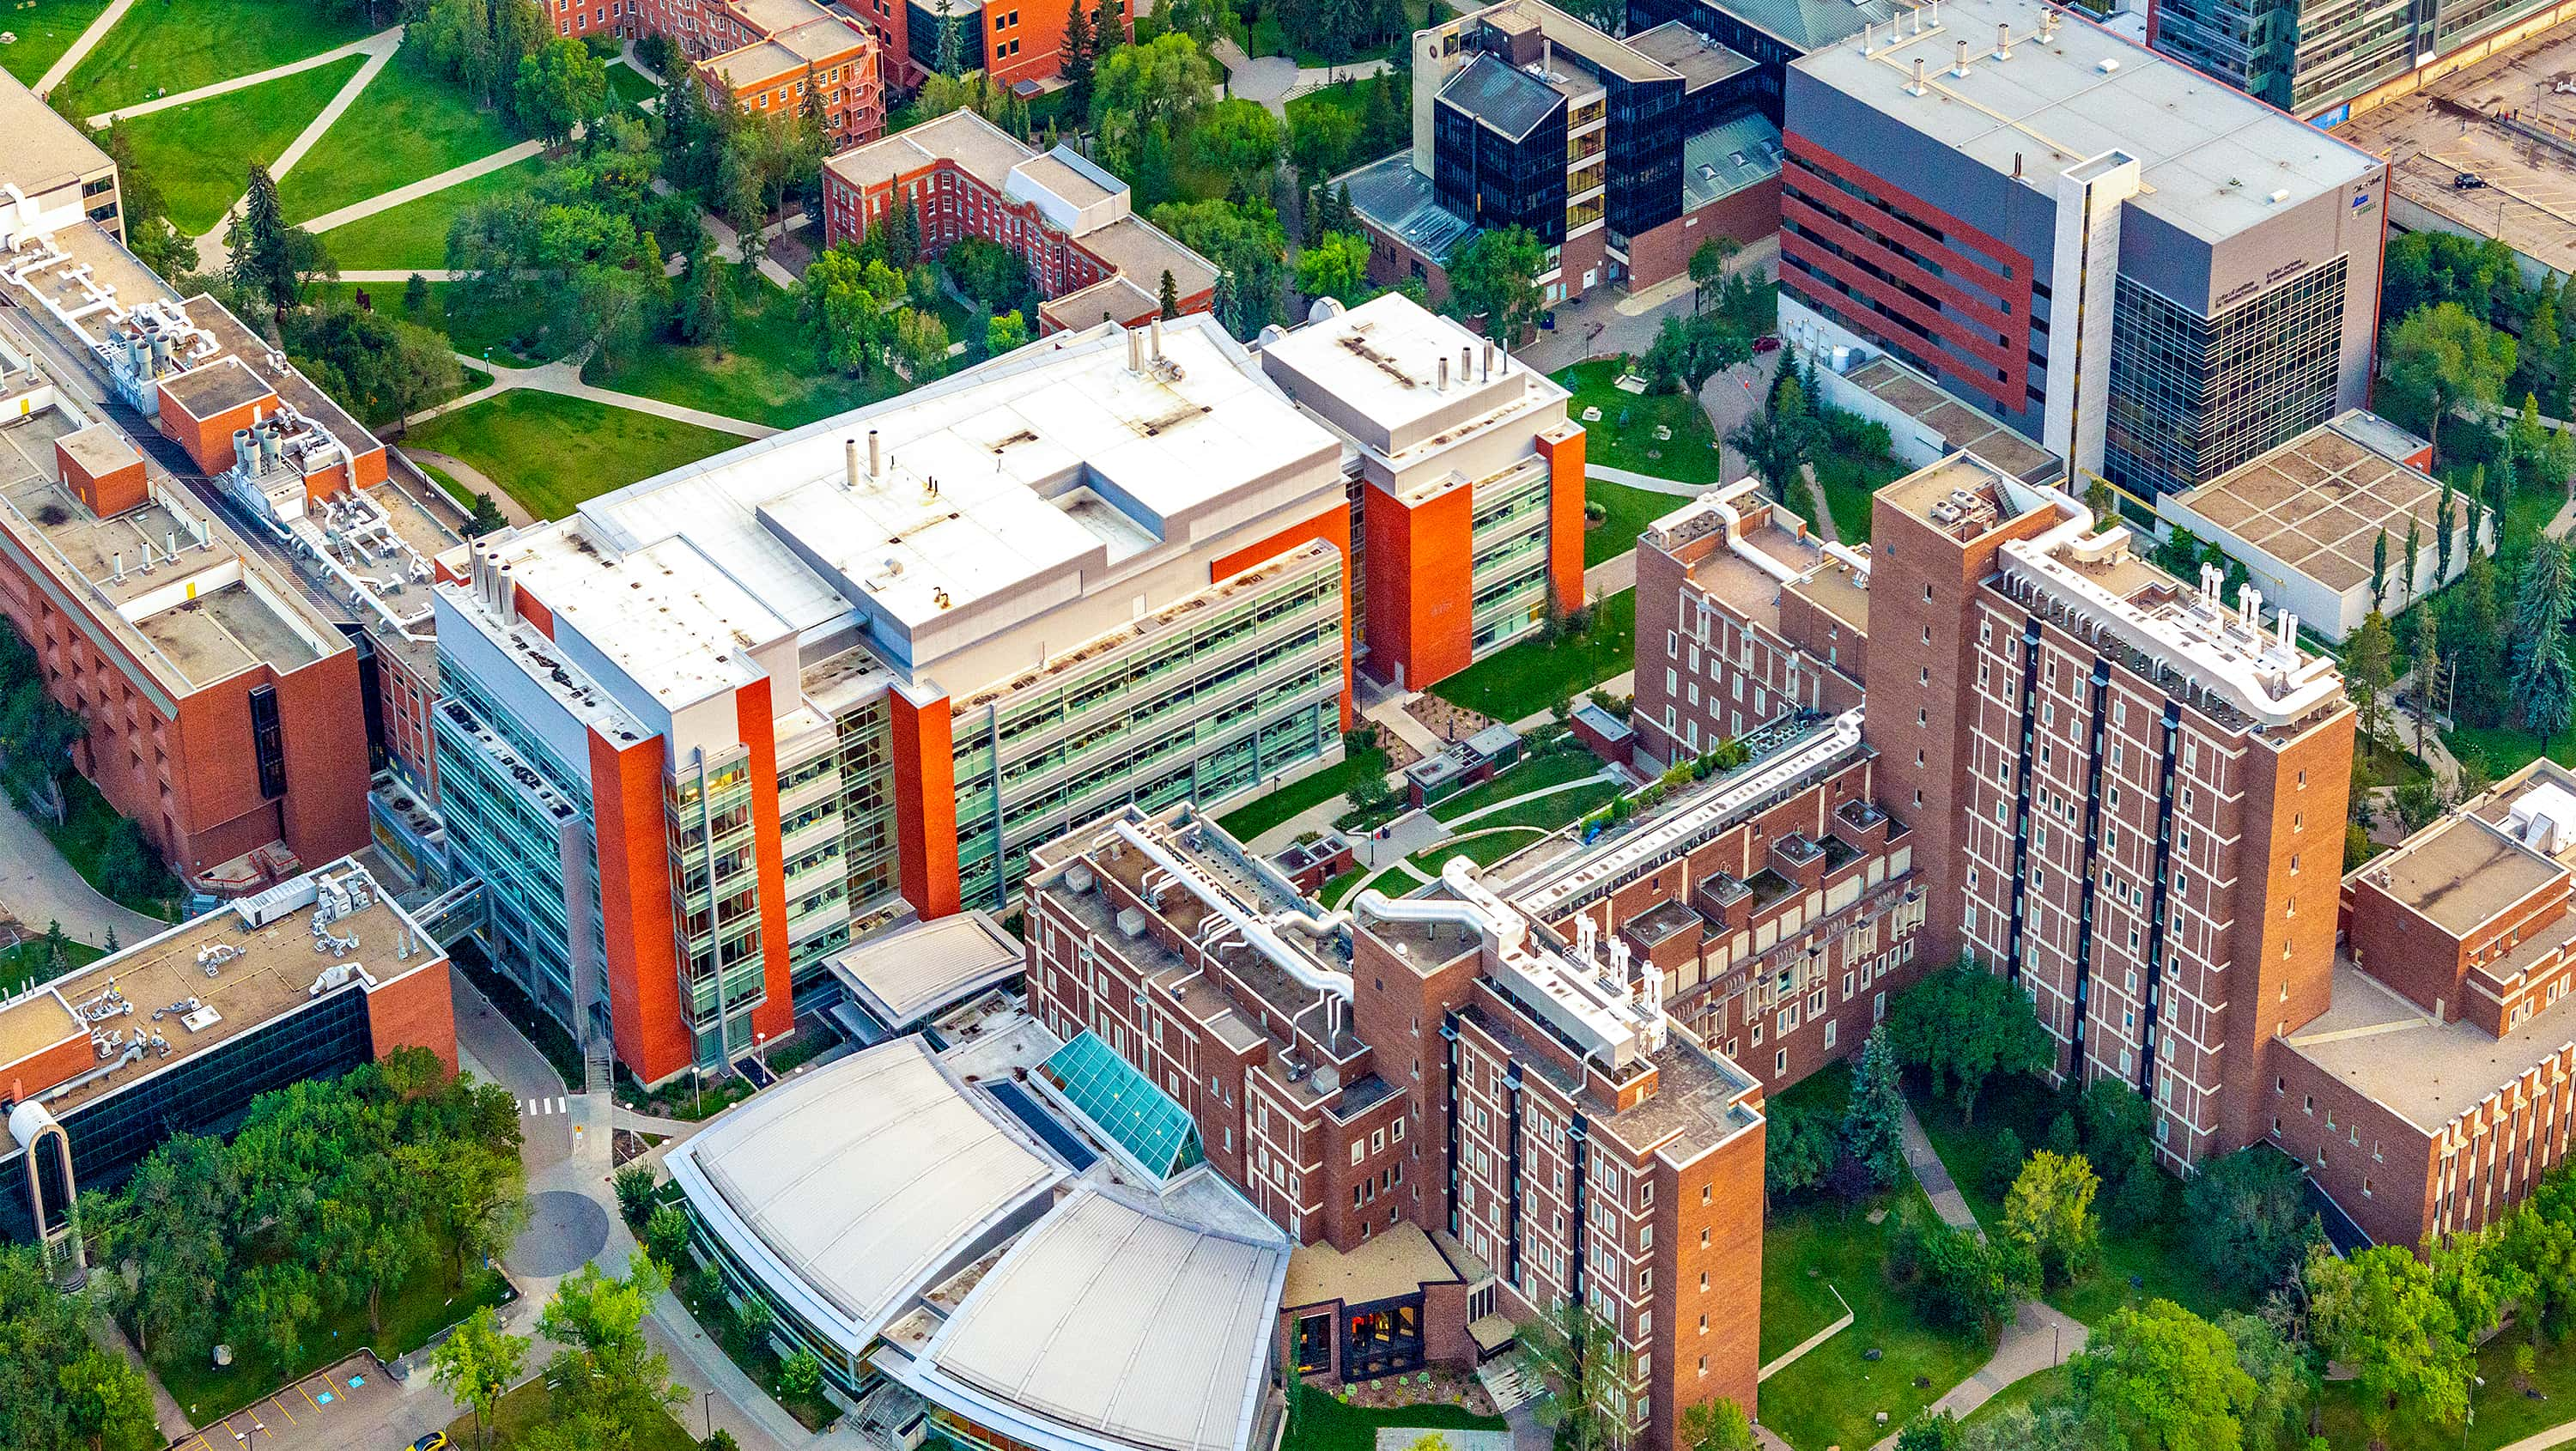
x: 322, y: 1412
x: 2458, y: 126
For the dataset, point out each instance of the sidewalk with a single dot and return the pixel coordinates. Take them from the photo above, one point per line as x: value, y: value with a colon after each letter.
x: 238, y: 83
x: 213, y: 253
x: 2038, y: 1338
x: 1934, y: 1175
x: 61, y: 70
x: 38, y: 886
x: 564, y: 376
x: 414, y: 191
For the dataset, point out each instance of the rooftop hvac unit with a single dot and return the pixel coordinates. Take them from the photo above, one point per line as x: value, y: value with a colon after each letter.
x: 1131, y: 923
x: 2544, y: 818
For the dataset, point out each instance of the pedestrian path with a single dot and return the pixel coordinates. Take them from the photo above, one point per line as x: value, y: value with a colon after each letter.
x: 1459, y: 824
x: 414, y: 191
x: 384, y: 39
x: 1649, y: 482
x: 1934, y: 1175
x: 61, y: 70
x: 564, y: 377
x: 213, y: 254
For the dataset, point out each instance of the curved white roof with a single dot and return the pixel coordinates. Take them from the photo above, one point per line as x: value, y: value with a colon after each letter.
x: 1117, y: 1323
x: 850, y: 1188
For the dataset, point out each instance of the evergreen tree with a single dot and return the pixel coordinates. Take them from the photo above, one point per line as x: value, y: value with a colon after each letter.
x: 1073, y: 57
x: 951, y: 54
x: 1345, y: 217
x: 415, y: 296
x: 2379, y: 569
x: 1872, y: 1132
x: 263, y: 256
x: 2428, y: 672
x: 1171, y: 296
x: 2444, y: 521
x: 2544, y: 684
x: 2414, y: 552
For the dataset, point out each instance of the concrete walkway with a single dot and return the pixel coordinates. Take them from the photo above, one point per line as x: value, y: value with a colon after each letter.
x: 414, y: 191
x: 2558, y: 1435
x: 368, y: 46
x: 38, y: 886
x: 2562, y: 521
x: 1601, y: 581
x: 1823, y: 518
x: 397, y: 274
x: 213, y: 253
x: 564, y: 376
x: 1934, y: 1175
x: 474, y: 479
x: 1389, y: 713
x: 1459, y: 825
x: 1679, y: 488
x: 2038, y: 1338
x: 61, y: 70
x: 111, y: 1337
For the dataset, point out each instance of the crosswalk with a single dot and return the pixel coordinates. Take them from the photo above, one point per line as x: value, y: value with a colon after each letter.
x: 542, y: 1107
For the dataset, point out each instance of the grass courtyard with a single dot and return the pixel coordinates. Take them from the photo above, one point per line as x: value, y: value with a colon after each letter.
x: 1623, y: 437
x: 765, y: 374
x: 200, y: 155
x: 419, y: 1309
x: 45, y: 29
x: 25, y: 964
x: 551, y: 451
x: 1271, y: 807
x: 413, y: 236
x: 409, y: 123
x: 1319, y: 1422
x: 523, y: 1408
x: 1814, y: 1251
x: 475, y: 325
x: 1524, y: 679
x: 170, y: 46
x: 1630, y: 510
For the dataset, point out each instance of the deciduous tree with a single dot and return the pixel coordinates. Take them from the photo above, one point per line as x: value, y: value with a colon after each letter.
x: 475, y: 1364
x: 2049, y: 1213
x: 1963, y: 1026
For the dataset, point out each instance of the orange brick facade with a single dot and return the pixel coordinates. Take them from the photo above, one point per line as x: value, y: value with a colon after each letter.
x: 1333, y: 528
x: 925, y: 803
x: 1421, y: 611
x: 635, y: 903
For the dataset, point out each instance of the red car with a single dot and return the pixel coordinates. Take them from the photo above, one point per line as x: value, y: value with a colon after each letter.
x: 1766, y: 344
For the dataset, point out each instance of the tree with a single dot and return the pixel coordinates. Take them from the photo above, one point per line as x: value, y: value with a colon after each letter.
x: 2428, y: 675
x: 2369, y: 670
x: 1960, y: 1279
x: 1797, y: 1151
x: 2049, y: 1213
x: 477, y: 1363
x: 1688, y: 351
x: 2442, y: 357
x: 2379, y: 581
x: 1872, y: 1132
x: 2285, y: 1384
x: 2161, y: 1376
x: 272, y: 1308
x: 635, y: 1188
x: 1963, y: 1026
x: 1320, y: 142
x: 1168, y: 297
x: 2538, y: 1240
x: 1774, y: 444
x: 666, y: 1233
x: 1575, y: 1354
x: 263, y: 259
x: 1716, y: 1425
x: 559, y: 88
x: 950, y: 55
x: 844, y: 300
x: 921, y: 341
x: 1004, y: 333
x: 1166, y: 81
x: 108, y: 1403
x: 2378, y: 1312
x: 1073, y: 55
x: 1336, y: 267
x: 487, y: 516
x: 1930, y: 1431
x: 1707, y: 265
x: 801, y: 1374
x: 2004, y: 1163
x: 1240, y: 138
x: 1494, y: 277
x: 2543, y: 682
x: 2246, y: 1218
x: 707, y: 303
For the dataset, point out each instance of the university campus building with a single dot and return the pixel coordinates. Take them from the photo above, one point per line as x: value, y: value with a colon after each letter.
x: 1620, y: 156
x: 761, y: 56
x: 177, y: 1034
x: 2152, y: 275
x: 722, y: 724
x: 1091, y: 258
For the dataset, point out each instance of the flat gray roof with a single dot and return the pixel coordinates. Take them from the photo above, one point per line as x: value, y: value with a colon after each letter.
x: 2320, y: 502
x: 1725, y: 159
x: 2426, y: 1073
x: 1501, y: 95
x: 906, y: 975
x: 2210, y: 157
x: 2460, y: 873
x: 1398, y: 200
x: 1701, y: 60
x: 44, y: 151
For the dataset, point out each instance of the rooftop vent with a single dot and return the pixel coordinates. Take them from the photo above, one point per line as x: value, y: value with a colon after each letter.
x: 2106, y: 65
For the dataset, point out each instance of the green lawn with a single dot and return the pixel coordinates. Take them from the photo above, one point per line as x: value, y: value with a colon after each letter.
x: 2030, y: 1390
x: 25, y: 964
x: 45, y: 29
x: 523, y: 1408
x: 1526, y: 678
x: 408, y: 123
x: 629, y: 85
x: 200, y: 155
x: 489, y: 327
x: 170, y: 46
x: 1279, y: 803
x: 1553, y: 768
x: 1630, y: 509
x: 2157, y: 1258
x: 1482, y: 844
x: 1318, y: 1422
x: 88, y: 824
x: 766, y: 374
x: 414, y: 235
x: 420, y: 1309
x: 1624, y: 435
x: 1849, y: 479
x: 1269, y: 37
x: 551, y: 452
x: 1830, y: 1395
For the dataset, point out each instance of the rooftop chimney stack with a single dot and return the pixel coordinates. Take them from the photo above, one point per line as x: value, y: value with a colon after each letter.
x: 850, y: 462
x: 1157, y: 325
x: 1488, y: 371
x: 1959, y: 61
x: 2003, y: 40
x: 1868, y: 33
x: 1917, y: 88
x: 1444, y: 372
x: 876, y: 455
x: 1135, y: 350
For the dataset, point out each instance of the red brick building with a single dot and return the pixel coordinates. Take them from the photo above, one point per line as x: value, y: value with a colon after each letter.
x: 1091, y: 257
x: 763, y: 56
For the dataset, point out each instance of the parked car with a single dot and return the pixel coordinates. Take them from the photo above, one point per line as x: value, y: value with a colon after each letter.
x: 1767, y: 343
x: 434, y: 1441
x: 2468, y: 181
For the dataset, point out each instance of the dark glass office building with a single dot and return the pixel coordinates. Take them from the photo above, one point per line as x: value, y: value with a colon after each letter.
x: 2310, y: 57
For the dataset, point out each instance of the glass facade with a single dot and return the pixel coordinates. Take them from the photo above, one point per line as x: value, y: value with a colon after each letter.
x: 2304, y: 57
x: 1508, y: 574
x: 203, y: 1094
x: 506, y: 796
x: 2192, y: 397
x: 715, y: 881
x: 1495, y: 180
x: 1218, y: 696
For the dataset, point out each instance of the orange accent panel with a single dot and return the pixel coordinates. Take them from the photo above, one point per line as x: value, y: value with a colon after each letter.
x: 1421, y: 606
x: 1564, y: 455
x: 776, y: 1015
x: 416, y: 1010
x: 925, y: 803
x: 1333, y: 526
x: 48, y: 1066
x: 642, y: 960
x: 534, y: 611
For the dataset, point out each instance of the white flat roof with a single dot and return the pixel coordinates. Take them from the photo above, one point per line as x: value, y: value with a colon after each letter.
x: 2209, y: 155
x: 850, y: 1188
x: 1110, y: 1318
x: 1050, y: 461
x: 1381, y: 360
x: 676, y: 625
x: 908, y: 974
